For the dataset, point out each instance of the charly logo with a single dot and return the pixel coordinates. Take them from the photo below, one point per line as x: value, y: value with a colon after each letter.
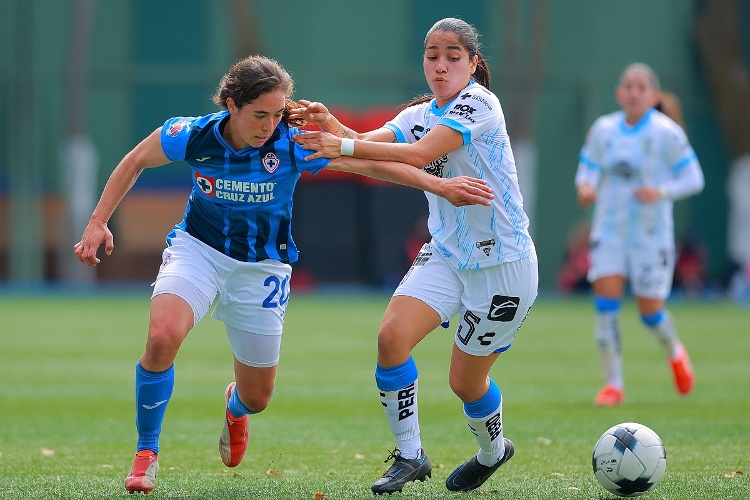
x: 503, y: 308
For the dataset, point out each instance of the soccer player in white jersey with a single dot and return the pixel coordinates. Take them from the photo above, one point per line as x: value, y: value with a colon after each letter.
x: 480, y: 263
x: 635, y: 162
x: 234, y: 247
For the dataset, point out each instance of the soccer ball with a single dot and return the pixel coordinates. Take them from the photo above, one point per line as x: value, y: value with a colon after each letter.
x: 629, y: 459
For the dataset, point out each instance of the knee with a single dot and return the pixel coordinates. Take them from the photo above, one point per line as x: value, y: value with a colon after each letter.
x: 164, y: 340
x: 389, y: 342
x: 456, y: 386
x: 255, y: 398
x: 465, y: 391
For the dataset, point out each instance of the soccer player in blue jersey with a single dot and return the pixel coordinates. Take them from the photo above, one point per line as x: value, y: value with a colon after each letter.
x: 233, y: 247
x: 634, y: 163
x: 480, y: 264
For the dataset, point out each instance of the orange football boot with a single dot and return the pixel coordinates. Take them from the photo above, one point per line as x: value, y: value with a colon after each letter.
x: 142, y: 474
x: 609, y: 396
x: 234, y: 436
x: 684, y: 378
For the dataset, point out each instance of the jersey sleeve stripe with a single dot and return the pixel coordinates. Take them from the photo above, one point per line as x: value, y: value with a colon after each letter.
x: 685, y: 162
x: 465, y: 132
x: 396, y: 131
x: 588, y: 163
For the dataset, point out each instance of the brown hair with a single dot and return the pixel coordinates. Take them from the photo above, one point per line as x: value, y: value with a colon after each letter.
x: 669, y: 104
x: 469, y: 39
x: 252, y: 77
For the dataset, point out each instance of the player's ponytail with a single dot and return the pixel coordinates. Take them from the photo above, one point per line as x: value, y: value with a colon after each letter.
x: 482, y: 73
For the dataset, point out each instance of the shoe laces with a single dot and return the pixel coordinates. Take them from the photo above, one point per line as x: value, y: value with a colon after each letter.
x: 393, y: 455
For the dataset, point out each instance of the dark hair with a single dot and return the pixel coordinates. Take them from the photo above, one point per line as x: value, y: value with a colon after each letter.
x: 252, y: 77
x: 469, y: 40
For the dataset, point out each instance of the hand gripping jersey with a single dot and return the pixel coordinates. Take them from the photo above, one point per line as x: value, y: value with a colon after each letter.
x: 241, y: 201
x: 474, y: 236
x: 617, y: 159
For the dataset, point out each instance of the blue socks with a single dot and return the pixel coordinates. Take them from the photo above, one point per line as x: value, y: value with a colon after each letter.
x: 152, y: 393
x: 236, y: 407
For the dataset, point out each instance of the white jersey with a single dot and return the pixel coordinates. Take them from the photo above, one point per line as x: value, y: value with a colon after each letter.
x: 475, y: 236
x: 618, y: 158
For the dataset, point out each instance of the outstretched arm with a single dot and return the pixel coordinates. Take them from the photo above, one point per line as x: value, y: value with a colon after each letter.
x: 147, y: 154
x: 318, y: 114
x: 459, y: 191
x: 438, y: 142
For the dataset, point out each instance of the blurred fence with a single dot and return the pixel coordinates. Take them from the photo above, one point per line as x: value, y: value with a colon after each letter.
x: 109, y: 72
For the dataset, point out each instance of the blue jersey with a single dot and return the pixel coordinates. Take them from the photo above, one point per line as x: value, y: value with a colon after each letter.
x: 241, y: 201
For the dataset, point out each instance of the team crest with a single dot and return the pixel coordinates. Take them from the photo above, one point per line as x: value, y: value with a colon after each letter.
x: 166, y: 260
x: 271, y: 162
x: 486, y: 246
x: 205, y: 184
x: 175, y: 129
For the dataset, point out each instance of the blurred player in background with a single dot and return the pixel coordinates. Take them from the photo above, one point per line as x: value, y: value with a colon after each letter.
x: 635, y: 162
x: 233, y: 247
x: 480, y: 264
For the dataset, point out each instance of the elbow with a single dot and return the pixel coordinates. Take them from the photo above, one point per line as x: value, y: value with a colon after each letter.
x: 417, y: 158
x: 698, y: 186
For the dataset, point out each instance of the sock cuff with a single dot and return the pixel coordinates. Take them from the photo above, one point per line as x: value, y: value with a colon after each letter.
x: 236, y: 404
x: 653, y: 319
x: 396, y: 377
x: 153, y: 376
x: 486, y: 404
x: 606, y: 304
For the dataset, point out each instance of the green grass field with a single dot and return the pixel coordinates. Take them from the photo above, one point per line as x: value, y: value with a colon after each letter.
x: 67, y: 419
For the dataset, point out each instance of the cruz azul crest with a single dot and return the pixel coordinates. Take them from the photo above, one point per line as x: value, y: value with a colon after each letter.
x: 271, y: 162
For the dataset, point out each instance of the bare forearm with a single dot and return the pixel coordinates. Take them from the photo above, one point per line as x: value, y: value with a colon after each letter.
x: 459, y: 191
x: 397, y: 152
x: 335, y: 127
x: 390, y: 171
x: 120, y: 181
x: 147, y: 154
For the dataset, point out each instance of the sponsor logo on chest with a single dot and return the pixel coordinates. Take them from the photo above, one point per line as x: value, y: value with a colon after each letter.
x: 232, y: 190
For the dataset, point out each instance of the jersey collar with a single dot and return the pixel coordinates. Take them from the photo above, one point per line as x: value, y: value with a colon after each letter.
x: 441, y: 111
x: 632, y: 129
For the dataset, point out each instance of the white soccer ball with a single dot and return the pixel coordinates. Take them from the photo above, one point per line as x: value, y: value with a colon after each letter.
x: 629, y: 459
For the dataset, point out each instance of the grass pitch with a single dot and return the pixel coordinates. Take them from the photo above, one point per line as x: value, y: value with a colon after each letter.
x: 67, y: 419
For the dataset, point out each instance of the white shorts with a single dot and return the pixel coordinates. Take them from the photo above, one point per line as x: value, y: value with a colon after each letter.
x: 249, y: 296
x: 648, y: 270
x: 492, y: 302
